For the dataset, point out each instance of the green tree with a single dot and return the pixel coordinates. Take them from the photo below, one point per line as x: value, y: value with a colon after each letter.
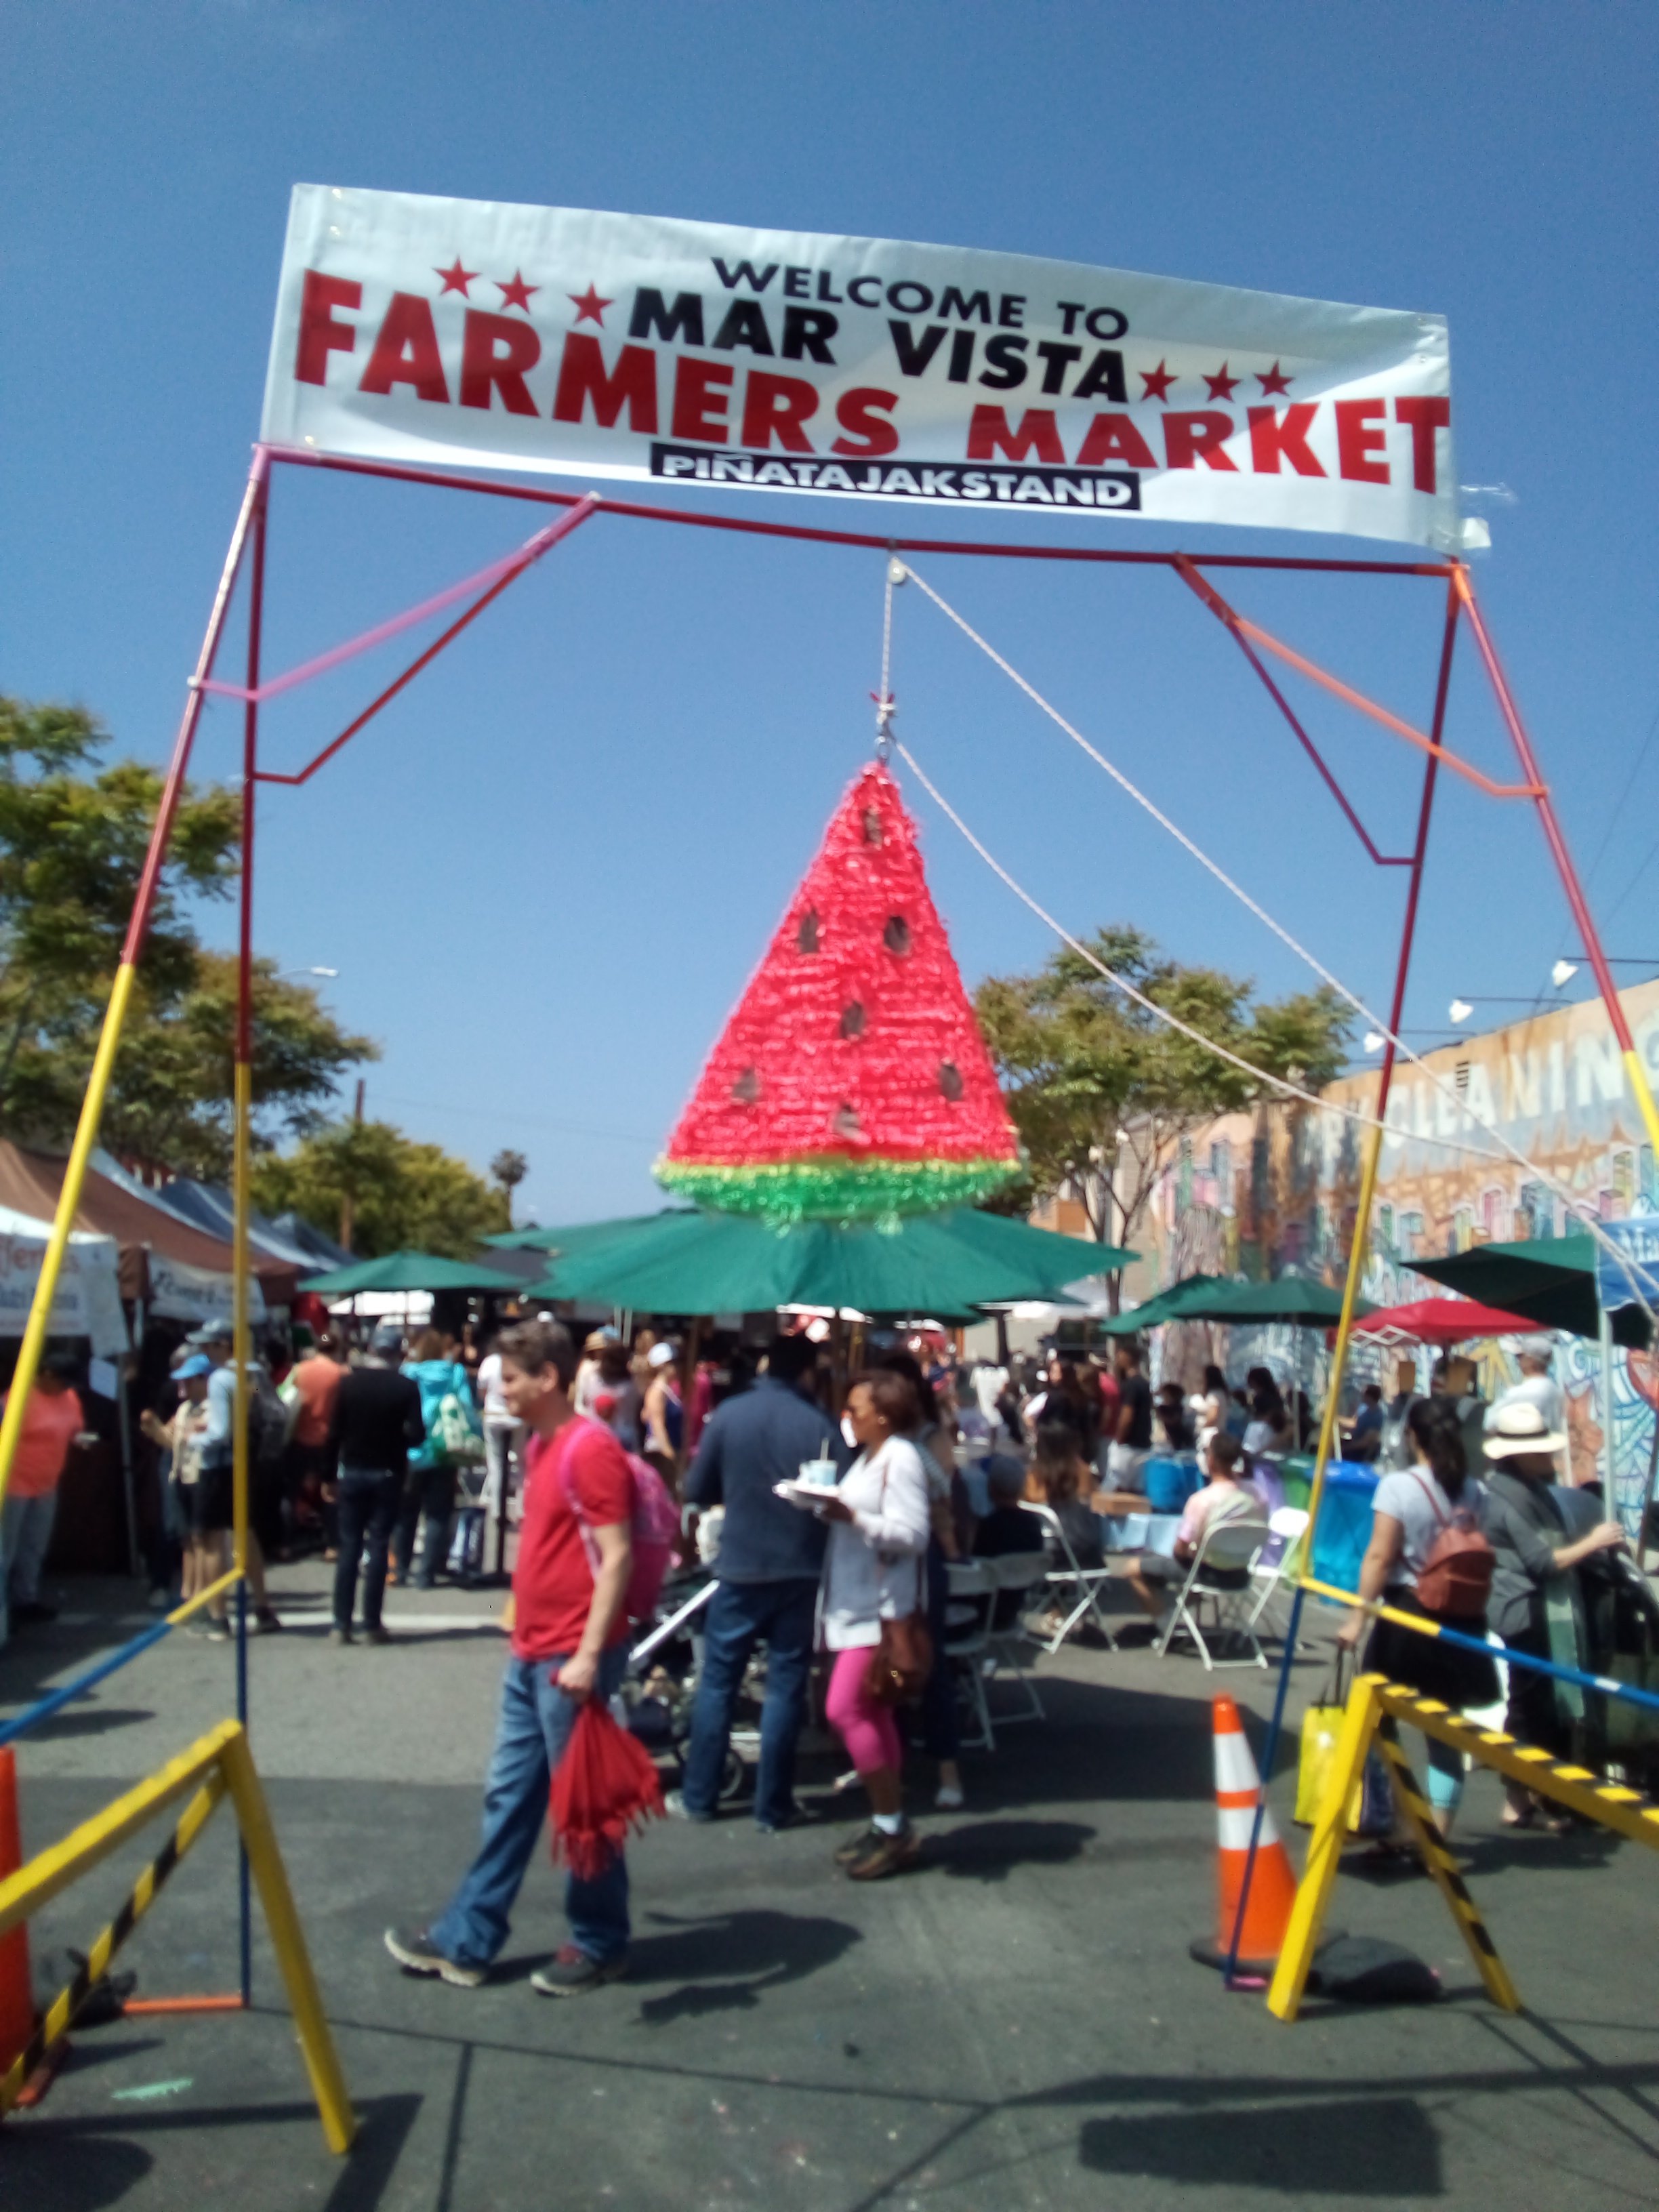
x: 404, y: 1196
x: 509, y: 1169
x: 73, y: 836
x: 1102, y: 1092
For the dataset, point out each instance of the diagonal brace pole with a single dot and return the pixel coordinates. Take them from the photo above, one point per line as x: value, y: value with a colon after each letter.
x: 503, y: 576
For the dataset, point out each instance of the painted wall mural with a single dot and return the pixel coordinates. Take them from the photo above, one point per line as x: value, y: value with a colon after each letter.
x: 1276, y: 1192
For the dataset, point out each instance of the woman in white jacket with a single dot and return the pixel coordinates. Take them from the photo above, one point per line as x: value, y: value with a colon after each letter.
x: 872, y: 1572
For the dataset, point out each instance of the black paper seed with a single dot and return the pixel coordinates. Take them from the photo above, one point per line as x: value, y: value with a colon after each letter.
x: 851, y: 1020
x: 896, y: 935
x: 846, y: 1123
x: 949, y: 1079
x: 871, y: 826
x: 806, y: 937
x: 746, y: 1089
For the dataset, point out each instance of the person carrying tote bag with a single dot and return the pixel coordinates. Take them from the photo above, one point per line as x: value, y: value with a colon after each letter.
x: 874, y: 1610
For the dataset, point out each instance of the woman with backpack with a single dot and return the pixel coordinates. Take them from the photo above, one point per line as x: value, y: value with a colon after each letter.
x: 1428, y: 1556
x: 450, y: 1413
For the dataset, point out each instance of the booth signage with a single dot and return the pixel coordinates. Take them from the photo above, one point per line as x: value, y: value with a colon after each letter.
x: 468, y: 332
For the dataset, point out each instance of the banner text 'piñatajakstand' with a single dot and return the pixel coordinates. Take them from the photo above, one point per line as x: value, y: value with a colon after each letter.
x: 423, y: 330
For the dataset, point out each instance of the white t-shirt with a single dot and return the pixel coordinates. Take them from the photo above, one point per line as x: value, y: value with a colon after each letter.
x: 496, y: 1411
x: 1540, y: 1390
x: 1411, y: 1498
x: 989, y: 1384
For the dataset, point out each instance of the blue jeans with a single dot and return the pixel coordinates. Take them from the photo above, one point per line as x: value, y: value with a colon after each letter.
x: 535, y: 1724
x: 780, y: 1615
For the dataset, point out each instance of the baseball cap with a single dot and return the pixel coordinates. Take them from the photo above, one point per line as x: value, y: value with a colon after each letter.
x: 660, y: 1355
x: 187, y: 1369
x: 1521, y: 1428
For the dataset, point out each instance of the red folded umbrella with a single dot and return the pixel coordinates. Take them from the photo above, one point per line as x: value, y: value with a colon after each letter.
x: 605, y: 1784
x: 1442, y: 1321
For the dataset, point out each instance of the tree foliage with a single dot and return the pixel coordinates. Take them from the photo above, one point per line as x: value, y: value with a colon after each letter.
x: 1101, y: 1091
x: 73, y: 836
x: 509, y: 1169
x: 404, y: 1196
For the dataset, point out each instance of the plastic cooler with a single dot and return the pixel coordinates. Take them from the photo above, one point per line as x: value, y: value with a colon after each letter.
x: 1170, y: 1483
x: 1345, y: 1524
x: 1296, y: 1474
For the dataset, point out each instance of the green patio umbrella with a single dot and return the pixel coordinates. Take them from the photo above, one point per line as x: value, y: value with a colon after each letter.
x: 579, y: 1236
x: 409, y: 1271
x: 706, y: 1262
x: 1289, y: 1298
x: 1169, y: 1304
x: 1552, y: 1280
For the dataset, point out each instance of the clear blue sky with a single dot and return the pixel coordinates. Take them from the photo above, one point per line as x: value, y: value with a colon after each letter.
x: 544, y: 875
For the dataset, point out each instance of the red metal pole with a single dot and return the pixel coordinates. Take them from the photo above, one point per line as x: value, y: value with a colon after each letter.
x: 1464, y: 584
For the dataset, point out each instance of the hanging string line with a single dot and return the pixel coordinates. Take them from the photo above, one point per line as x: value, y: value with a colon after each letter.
x: 883, y: 698
x: 1508, y: 1149
x: 1261, y: 1075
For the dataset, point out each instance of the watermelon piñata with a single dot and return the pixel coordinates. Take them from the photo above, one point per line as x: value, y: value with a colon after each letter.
x: 852, y: 1082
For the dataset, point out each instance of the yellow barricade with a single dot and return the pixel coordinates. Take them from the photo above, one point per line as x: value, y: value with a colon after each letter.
x: 1374, y: 1705
x: 219, y: 1765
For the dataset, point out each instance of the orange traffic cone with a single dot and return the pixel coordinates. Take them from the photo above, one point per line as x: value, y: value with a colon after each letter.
x: 17, y: 1994
x: 1273, y: 1885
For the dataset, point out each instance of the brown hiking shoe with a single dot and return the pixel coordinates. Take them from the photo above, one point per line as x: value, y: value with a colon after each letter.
x: 885, y: 1855
x: 855, y: 1846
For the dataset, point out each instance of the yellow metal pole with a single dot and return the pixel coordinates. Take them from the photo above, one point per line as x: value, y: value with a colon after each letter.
x: 92, y: 1106
x: 287, y: 1940
x: 1344, y: 1330
x: 68, y: 1199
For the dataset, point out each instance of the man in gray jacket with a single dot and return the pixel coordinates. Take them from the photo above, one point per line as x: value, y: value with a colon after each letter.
x: 770, y: 1554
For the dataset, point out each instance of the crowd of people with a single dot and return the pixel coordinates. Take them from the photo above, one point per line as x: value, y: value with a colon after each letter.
x: 829, y: 1510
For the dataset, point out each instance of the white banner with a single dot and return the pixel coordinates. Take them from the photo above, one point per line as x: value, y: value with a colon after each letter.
x: 180, y: 1293
x: 423, y: 330
x: 87, y: 1299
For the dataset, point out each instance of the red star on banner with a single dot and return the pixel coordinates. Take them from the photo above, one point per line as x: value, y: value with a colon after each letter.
x: 1222, y: 386
x: 456, y: 279
x: 1274, y: 380
x: 517, y: 293
x: 1158, y: 382
x: 589, y: 306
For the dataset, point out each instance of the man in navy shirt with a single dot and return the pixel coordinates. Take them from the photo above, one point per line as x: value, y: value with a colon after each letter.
x: 769, y: 1556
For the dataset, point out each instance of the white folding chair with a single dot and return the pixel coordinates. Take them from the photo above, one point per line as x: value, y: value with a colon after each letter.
x: 1020, y: 1573
x: 1227, y: 1549
x: 970, y: 1599
x: 1275, y: 1567
x: 1082, y: 1582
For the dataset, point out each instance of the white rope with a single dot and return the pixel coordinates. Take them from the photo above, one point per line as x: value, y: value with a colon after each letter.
x: 1151, y: 1005
x: 1508, y: 1149
x: 885, y: 702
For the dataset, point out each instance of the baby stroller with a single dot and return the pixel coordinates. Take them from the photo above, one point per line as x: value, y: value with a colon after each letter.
x: 660, y: 1687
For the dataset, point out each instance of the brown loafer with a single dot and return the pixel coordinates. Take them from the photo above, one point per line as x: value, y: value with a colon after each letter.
x: 886, y: 1855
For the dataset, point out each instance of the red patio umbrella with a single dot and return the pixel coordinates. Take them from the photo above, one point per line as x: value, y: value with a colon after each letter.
x: 1442, y: 1321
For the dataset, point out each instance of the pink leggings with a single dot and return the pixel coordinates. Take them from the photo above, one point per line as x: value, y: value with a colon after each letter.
x: 864, y: 1725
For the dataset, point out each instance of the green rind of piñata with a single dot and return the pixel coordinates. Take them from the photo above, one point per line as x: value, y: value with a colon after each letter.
x: 835, y: 1185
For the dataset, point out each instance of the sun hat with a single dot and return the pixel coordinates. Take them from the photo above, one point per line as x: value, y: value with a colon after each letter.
x: 1521, y: 1428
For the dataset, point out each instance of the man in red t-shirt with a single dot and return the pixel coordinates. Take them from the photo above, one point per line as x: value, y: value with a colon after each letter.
x: 569, y: 1643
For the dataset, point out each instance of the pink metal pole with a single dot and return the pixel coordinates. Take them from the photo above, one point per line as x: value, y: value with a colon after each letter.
x: 144, y: 899
x: 578, y: 515
x: 502, y: 571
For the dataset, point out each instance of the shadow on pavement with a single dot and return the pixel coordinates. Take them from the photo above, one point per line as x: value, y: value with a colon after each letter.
x: 723, y: 1962
x: 1354, y: 2147
x: 990, y: 1851
x: 80, y: 1720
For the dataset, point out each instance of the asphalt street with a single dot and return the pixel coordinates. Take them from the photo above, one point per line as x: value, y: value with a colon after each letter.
x: 1016, y: 2024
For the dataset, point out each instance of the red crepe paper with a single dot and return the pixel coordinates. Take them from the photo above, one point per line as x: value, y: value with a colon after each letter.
x: 854, y: 1045
x: 605, y: 1785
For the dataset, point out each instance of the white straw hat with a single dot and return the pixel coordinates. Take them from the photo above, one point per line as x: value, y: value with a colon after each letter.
x: 1521, y: 1428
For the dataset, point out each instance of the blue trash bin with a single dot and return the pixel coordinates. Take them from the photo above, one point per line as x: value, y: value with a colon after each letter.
x: 1169, y: 1483
x: 1345, y: 1524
